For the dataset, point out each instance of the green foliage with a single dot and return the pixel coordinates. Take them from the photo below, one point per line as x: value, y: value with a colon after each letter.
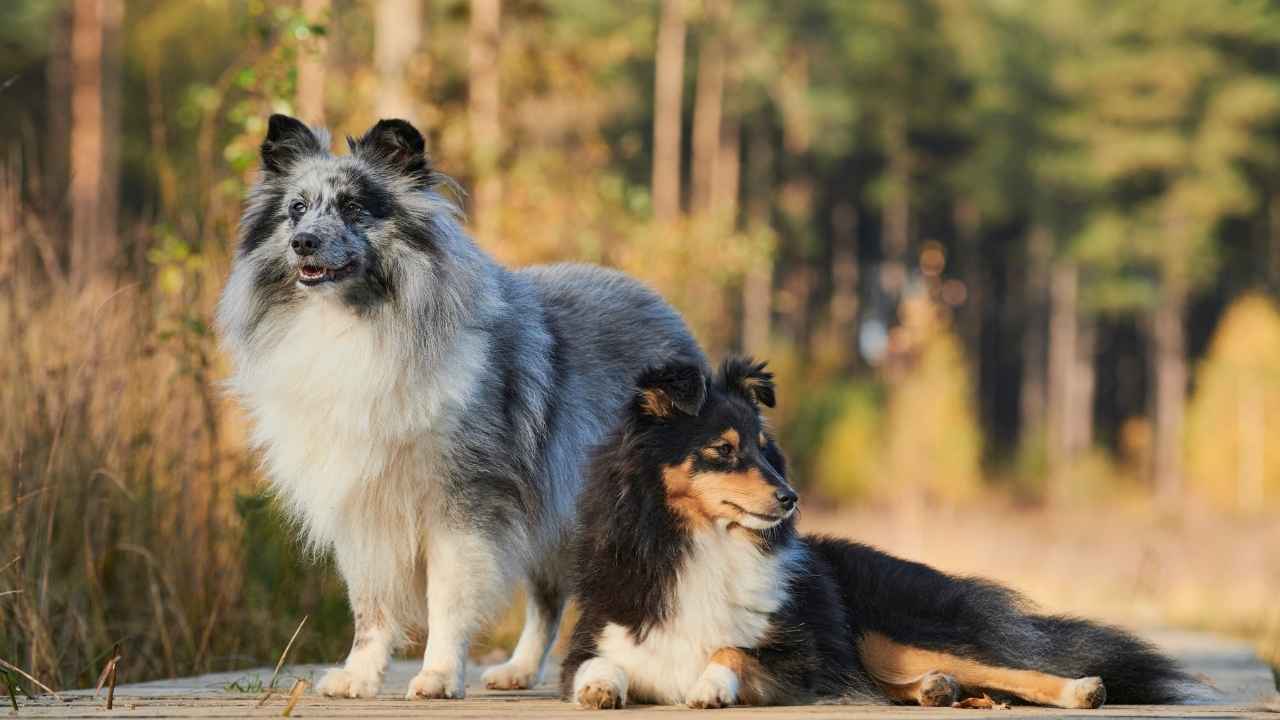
x: 849, y: 458
x: 914, y: 437
x: 1235, y: 412
x: 1168, y: 117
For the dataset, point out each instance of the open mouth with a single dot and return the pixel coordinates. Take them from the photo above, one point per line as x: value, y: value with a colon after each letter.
x: 757, y: 516
x: 316, y: 274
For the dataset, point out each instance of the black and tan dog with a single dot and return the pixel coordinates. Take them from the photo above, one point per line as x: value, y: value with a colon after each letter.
x: 696, y: 588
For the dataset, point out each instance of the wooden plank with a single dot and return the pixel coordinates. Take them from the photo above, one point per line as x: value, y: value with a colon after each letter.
x: 1245, y: 682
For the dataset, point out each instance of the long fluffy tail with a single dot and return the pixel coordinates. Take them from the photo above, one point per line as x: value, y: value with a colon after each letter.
x: 919, y: 606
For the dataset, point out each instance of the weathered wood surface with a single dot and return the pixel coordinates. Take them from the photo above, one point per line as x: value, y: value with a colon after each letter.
x: 1246, y: 684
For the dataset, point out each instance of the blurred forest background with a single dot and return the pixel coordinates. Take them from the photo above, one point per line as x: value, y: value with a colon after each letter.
x: 1016, y: 263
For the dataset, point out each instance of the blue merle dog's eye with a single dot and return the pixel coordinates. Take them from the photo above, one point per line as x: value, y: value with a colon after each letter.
x: 352, y: 207
x: 296, y: 209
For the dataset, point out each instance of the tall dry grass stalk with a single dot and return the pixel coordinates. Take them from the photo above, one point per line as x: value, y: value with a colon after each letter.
x: 121, y: 459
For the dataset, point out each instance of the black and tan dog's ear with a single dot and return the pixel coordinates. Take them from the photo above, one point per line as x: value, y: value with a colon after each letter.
x: 664, y: 391
x: 750, y: 378
x: 399, y: 146
x: 288, y: 140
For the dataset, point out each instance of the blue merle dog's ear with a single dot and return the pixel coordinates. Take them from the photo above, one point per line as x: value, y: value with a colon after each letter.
x: 398, y: 146
x: 678, y: 387
x: 287, y: 141
x: 749, y: 378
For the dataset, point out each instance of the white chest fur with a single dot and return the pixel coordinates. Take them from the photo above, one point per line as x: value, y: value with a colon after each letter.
x: 350, y: 426
x: 723, y: 597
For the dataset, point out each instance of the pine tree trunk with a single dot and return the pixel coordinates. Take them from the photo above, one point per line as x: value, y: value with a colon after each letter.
x: 728, y: 172
x: 1035, y: 325
x: 313, y: 64
x: 1083, y: 384
x: 968, y: 223
x: 112, y: 96
x: 668, y: 92
x: 397, y: 33
x: 757, y: 286
x: 1169, y: 358
x: 708, y: 110
x: 93, y: 237
x: 57, y: 158
x: 897, y: 218
x: 843, y: 308
x: 483, y: 112
x: 1063, y: 353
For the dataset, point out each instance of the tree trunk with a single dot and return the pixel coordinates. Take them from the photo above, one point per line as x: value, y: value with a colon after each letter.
x: 313, y: 63
x: 1083, y: 383
x: 708, y: 110
x: 968, y: 223
x: 57, y: 159
x: 728, y: 172
x: 668, y: 91
x: 757, y: 286
x: 397, y: 32
x: 1035, y: 324
x: 1063, y: 353
x: 112, y: 94
x: 1169, y: 358
x: 93, y: 237
x: 897, y: 219
x: 483, y: 112
x: 843, y: 309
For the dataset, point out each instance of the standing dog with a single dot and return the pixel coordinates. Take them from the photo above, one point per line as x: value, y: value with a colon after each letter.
x: 696, y: 588
x: 422, y: 411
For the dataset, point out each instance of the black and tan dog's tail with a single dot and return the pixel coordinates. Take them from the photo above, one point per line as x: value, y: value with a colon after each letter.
x: 910, y: 605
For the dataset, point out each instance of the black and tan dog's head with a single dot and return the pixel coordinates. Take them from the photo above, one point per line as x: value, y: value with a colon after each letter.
x: 717, y: 461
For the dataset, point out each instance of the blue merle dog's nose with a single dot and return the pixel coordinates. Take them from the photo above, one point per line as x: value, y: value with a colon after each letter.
x: 305, y: 244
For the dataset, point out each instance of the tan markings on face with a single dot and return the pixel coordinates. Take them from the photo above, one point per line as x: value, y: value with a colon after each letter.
x: 678, y: 480
x: 730, y: 436
x: 701, y: 498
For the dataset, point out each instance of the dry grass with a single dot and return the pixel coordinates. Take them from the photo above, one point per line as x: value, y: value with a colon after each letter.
x: 122, y: 462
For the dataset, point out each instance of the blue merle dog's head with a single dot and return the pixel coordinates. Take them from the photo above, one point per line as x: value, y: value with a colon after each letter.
x: 368, y: 229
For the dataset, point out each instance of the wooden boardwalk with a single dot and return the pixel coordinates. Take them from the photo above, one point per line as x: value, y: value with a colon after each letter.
x: 1246, y: 684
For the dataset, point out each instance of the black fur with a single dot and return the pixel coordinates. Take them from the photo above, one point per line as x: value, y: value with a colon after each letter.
x: 631, y: 546
x: 399, y: 147
x: 287, y: 141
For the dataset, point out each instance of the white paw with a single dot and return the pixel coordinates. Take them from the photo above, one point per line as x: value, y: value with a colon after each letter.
x: 436, y: 685
x: 600, y: 694
x: 510, y: 676
x: 717, y: 688
x: 341, y: 682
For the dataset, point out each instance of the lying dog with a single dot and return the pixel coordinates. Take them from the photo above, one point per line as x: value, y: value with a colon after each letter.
x: 696, y: 588
x: 423, y: 412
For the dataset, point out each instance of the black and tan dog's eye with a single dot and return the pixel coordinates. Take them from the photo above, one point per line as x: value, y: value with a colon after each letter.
x: 724, y: 449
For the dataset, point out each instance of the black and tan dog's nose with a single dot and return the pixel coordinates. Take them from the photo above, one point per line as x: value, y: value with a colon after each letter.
x: 305, y: 244
x: 786, y: 498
